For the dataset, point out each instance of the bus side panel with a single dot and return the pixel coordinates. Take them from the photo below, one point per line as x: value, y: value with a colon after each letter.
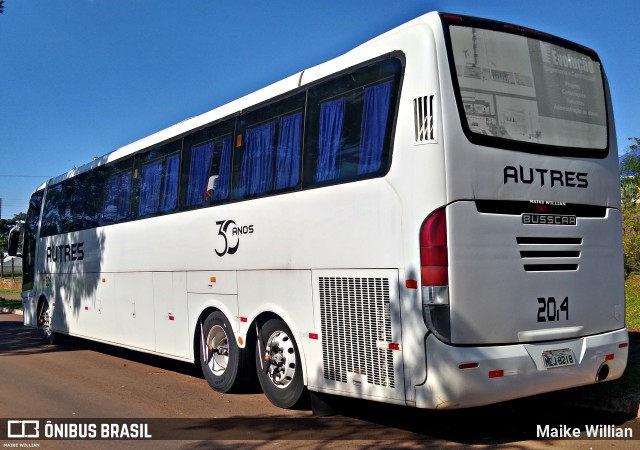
x: 29, y: 310
x: 62, y: 306
x: 105, y: 306
x: 357, y: 313
x: 171, y: 317
x: 72, y: 297
x: 134, y: 303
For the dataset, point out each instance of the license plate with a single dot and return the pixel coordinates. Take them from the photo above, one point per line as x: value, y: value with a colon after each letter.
x: 558, y: 358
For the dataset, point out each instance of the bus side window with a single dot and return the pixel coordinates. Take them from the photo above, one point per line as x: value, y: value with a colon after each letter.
x: 199, y: 168
x: 349, y: 125
x: 221, y: 171
x: 256, y: 163
x: 157, y: 174
x: 268, y: 150
x: 117, y: 194
x: 207, y: 154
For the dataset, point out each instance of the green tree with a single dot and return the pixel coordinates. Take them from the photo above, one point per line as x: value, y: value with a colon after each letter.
x: 630, y: 174
x: 630, y: 190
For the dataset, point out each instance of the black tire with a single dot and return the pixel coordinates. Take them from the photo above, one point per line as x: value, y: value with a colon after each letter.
x: 222, y: 362
x: 280, y: 374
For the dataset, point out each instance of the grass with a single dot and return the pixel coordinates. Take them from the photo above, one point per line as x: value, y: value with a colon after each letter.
x: 9, y: 291
x: 12, y: 304
x: 632, y: 286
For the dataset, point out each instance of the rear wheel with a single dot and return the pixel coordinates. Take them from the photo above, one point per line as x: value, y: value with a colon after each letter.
x: 222, y: 363
x: 279, y: 366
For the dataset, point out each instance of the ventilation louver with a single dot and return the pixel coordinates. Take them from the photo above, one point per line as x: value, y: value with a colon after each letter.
x: 424, y: 110
x: 550, y: 254
x: 355, y: 319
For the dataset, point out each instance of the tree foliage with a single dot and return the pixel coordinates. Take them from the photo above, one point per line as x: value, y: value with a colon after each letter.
x: 1, y: 6
x: 630, y: 190
x: 630, y: 174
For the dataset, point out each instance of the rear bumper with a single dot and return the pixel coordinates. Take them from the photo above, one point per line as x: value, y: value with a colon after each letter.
x: 517, y: 370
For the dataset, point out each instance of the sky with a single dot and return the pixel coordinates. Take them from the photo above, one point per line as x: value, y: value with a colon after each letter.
x: 81, y: 78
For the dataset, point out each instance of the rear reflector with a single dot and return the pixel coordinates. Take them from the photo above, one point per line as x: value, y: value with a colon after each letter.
x: 623, y: 345
x: 609, y: 357
x: 496, y: 373
x: 411, y: 284
x: 468, y: 366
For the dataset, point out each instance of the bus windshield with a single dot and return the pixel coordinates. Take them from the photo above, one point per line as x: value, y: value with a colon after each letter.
x: 516, y: 88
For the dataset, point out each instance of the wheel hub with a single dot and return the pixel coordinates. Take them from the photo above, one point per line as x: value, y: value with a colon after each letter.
x: 281, y: 359
x: 218, y: 350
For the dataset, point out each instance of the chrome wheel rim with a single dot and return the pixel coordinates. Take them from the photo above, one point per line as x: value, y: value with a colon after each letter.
x: 218, y: 343
x: 282, y: 359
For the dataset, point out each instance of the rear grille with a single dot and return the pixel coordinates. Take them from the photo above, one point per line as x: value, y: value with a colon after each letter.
x: 549, y: 254
x: 355, y: 317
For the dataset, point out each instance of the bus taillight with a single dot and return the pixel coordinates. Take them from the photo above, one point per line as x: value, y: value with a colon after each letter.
x: 433, y: 250
x: 434, y: 272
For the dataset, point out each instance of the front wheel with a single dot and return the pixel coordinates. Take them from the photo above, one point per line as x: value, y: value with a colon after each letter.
x: 223, y: 364
x: 44, y: 323
x: 279, y: 365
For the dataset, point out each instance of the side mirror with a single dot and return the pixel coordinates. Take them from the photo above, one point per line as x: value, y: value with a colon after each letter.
x: 14, y: 240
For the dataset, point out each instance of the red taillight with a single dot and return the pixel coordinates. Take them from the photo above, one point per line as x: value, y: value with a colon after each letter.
x: 434, y: 261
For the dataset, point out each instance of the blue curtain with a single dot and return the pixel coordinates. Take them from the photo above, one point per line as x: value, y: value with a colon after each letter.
x: 150, y: 181
x: 124, y: 199
x: 288, y: 152
x: 331, y: 121
x: 256, y: 174
x: 374, y: 123
x: 170, y: 187
x: 224, y: 172
x: 199, y: 173
x: 117, y: 194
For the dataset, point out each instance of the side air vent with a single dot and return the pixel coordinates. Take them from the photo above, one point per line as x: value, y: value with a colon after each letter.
x: 355, y: 319
x: 550, y: 254
x: 424, y: 113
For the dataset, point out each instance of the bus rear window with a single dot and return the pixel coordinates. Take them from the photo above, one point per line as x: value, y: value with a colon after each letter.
x: 516, y: 88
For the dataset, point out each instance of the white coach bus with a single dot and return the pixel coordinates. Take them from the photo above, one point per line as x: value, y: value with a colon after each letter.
x: 432, y: 219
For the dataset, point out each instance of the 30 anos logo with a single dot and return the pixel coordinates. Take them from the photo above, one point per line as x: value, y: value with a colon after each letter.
x: 229, y: 233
